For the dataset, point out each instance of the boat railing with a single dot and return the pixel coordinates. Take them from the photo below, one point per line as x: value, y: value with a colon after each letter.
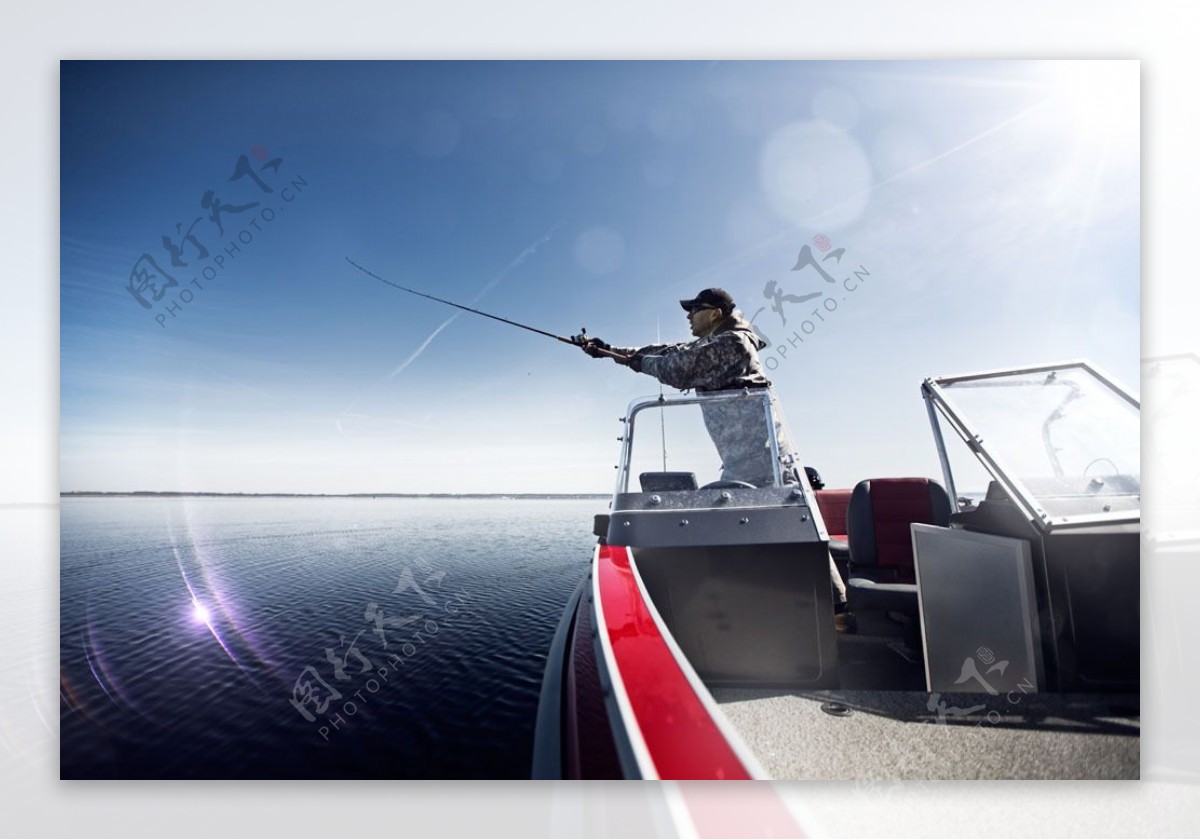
x: 761, y: 395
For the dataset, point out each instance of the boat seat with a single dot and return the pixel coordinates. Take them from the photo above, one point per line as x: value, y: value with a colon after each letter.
x: 666, y: 482
x: 878, y: 519
x: 833, y: 504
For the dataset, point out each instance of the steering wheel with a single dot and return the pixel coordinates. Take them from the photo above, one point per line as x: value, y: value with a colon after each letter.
x: 728, y: 484
x: 1095, y: 461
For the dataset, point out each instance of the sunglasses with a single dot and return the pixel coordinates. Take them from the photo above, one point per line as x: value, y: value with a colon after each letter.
x: 696, y: 309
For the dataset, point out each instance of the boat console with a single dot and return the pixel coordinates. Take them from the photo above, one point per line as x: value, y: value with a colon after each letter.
x: 737, y: 567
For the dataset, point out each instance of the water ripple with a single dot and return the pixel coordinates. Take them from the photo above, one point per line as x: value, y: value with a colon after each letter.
x: 161, y: 687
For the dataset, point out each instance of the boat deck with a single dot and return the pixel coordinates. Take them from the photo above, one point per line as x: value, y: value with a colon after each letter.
x: 906, y: 733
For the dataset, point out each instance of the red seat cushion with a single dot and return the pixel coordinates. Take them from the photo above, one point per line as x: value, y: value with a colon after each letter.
x: 879, y: 517
x: 833, y: 505
x: 896, y: 503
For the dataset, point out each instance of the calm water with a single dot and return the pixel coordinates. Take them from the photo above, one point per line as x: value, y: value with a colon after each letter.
x: 188, y: 625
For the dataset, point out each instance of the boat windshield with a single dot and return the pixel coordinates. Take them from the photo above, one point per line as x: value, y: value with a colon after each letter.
x: 1063, y: 438
x: 682, y: 443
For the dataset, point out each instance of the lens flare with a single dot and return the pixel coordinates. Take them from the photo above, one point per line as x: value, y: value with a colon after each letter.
x: 200, y: 612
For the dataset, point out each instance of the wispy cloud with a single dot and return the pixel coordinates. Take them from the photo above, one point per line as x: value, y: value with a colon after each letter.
x: 421, y: 349
x: 527, y: 252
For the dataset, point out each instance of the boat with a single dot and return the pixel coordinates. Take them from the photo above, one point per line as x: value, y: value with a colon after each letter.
x: 995, y: 625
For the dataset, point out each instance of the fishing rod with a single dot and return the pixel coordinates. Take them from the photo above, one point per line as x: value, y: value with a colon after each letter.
x: 575, y: 340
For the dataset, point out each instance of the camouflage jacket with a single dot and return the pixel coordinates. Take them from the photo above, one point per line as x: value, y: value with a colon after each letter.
x: 725, y: 360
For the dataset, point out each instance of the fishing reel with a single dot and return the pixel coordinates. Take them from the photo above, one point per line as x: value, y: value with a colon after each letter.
x: 590, y: 344
x: 596, y: 348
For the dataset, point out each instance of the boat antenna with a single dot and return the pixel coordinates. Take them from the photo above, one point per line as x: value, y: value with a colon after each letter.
x: 576, y: 340
x: 662, y: 408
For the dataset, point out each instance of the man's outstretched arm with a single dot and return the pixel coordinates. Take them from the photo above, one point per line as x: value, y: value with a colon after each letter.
x: 713, y: 365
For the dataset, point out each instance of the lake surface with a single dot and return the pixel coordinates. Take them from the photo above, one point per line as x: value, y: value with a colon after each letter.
x: 310, y: 637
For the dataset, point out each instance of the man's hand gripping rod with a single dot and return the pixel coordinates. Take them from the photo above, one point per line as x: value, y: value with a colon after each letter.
x: 582, y: 340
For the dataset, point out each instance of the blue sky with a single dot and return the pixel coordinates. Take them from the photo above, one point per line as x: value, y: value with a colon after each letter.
x: 995, y: 206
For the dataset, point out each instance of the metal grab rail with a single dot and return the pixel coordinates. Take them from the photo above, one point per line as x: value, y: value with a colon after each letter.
x: 642, y: 403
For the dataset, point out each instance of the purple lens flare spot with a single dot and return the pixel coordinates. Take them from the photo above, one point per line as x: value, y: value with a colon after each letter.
x: 200, y: 613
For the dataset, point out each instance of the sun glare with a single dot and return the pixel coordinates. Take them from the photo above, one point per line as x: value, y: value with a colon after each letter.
x: 1097, y: 99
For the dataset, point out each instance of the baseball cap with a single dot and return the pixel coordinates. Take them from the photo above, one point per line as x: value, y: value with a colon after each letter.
x: 718, y: 298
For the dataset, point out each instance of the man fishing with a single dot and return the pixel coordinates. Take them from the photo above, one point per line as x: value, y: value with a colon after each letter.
x: 723, y: 357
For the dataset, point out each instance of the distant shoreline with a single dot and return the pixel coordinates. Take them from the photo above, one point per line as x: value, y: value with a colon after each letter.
x: 172, y: 494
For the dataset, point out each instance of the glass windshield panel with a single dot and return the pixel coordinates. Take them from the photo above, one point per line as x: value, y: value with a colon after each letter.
x: 717, y: 440
x: 1064, y: 434
x: 971, y: 479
